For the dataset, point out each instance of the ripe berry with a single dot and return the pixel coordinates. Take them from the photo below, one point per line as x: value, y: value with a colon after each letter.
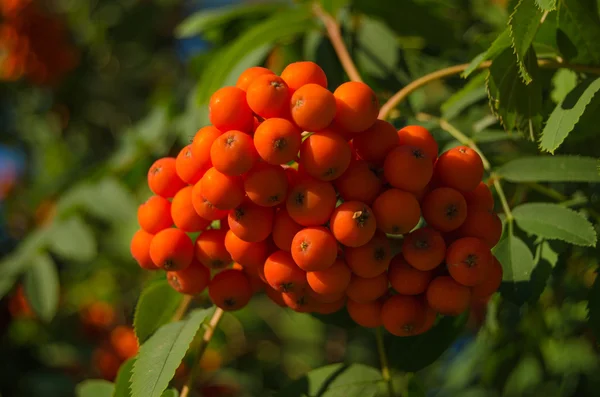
x: 203, y: 141
x: 266, y: 184
x: 444, y: 209
x: 314, y: 248
x: 408, y: 168
x: 396, y: 212
x: 367, y: 314
x: 189, y: 168
x: 360, y: 182
x: 364, y: 290
x: 171, y: 249
x: 203, y: 207
x: 230, y: 289
x: 311, y: 202
x: 371, y: 259
x: 183, y: 213
x: 482, y: 223
x: 163, y: 179
x: 448, y: 297
x: 298, y: 74
x: 140, y: 249
x: 222, y: 191
x: 357, y: 106
x: 424, y: 248
x: 284, y: 230
x: 190, y: 281
x: 374, y: 144
x: 249, y: 255
x: 490, y: 283
x: 333, y: 280
x: 468, y: 260
x: 155, y: 214
x: 249, y: 75
x: 268, y: 96
x: 407, y: 280
x: 233, y: 153
x: 312, y: 107
x: 277, y: 141
x: 415, y: 135
x: 353, y: 223
x: 402, y: 315
x: 210, y: 249
x: 481, y: 196
x: 251, y: 222
x: 460, y: 168
x: 325, y: 155
x: 228, y: 110
x: 282, y: 273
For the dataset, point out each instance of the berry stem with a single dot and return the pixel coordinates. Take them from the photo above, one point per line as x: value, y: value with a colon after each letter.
x: 385, y: 370
x: 183, y: 307
x: 208, y: 334
x: 401, y: 95
x: 333, y: 31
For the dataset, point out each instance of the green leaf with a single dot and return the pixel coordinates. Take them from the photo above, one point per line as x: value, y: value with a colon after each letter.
x: 579, y: 30
x: 170, y: 393
x: 594, y: 307
x: 159, y: 356
x: 573, y: 355
x: 563, y: 81
x: 72, y: 239
x: 94, y: 388
x: 376, y: 49
x: 516, y: 259
x: 42, y: 287
x: 110, y: 200
x: 334, y: 6
x: 517, y: 105
x: 123, y: 380
x: 524, y: 377
x: 567, y: 113
x: 523, y: 25
x: 156, y: 306
x: 501, y: 43
x: 555, y: 222
x: 204, y: 20
x: 472, y: 92
x: 279, y: 26
x: 414, y: 353
x: 336, y: 380
x: 551, y: 169
x: 546, y: 5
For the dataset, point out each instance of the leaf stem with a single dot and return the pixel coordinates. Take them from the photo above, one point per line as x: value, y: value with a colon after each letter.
x: 208, y: 334
x: 333, y: 32
x: 401, y: 95
x: 385, y: 370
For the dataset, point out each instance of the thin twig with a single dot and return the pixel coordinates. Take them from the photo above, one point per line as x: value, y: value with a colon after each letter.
x: 401, y: 95
x: 333, y: 31
x: 208, y: 334
x: 182, y: 309
x: 385, y: 369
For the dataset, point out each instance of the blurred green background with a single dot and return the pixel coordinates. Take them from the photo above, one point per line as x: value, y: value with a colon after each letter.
x: 93, y: 91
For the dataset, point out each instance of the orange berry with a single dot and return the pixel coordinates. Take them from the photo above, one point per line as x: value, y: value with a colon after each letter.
x: 415, y: 135
x: 374, y: 144
x: 314, y: 248
x: 230, y: 289
x: 268, y: 96
x: 311, y: 202
x: 408, y: 168
x: 448, y: 297
x: 284, y: 230
x: 371, y: 259
x: 203, y: 141
x: 424, y: 248
x: 282, y: 273
x: 229, y: 110
x: 360, y: 182
x: 266, y: 184
x: 277, y: 141
x: 155, y: 214
x: 357, y: 106
x: 353, y: 223
x: 189, y: 168
x: 210, y: 249
x: 183, y: 213
x: 325, y: 155
x: 140, y: 249
x: 106, y: 362
x: 323, y: 298
x: 407, y: 280
x: 430, y: 317
x: 364, y: 290
x: 299, y: 301
x: 249, y: 255
x: 203, y: 207
x: 251, y: 222
x: 190, y: 281
x: 460, y: 168
x: 233, y: 153
x: 298, y: 74
x: 396, y: 212
x: 275, y: 296
x: 468, y: 260
x: 222, y: 191
x: 171, y: 249
x: 331, y: 281
x: 401, y: 315
x: 249, y: 75
x: 490, y: 283
x: 481, y: 196
x: 444, y: 209
x: 313, y: 107
x: 163, y: 179
x: 482, y: 223
x: 366, y: 314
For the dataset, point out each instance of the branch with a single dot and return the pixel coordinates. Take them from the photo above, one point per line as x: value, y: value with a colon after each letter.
x: 385, y: 370
x: 208, y: 334
x: 333, y: 31
x: 401, y: 95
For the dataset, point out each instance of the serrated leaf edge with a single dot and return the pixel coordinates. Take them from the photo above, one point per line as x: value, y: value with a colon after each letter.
x: 523, y: 73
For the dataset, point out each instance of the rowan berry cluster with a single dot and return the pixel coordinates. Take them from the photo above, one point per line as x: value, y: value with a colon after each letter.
x: 33, y: 44
x: 314, y: 195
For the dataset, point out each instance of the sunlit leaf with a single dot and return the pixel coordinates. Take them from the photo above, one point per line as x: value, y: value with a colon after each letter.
x: 523, y: 25
x: 156, y: 306
x: 551, y: 169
